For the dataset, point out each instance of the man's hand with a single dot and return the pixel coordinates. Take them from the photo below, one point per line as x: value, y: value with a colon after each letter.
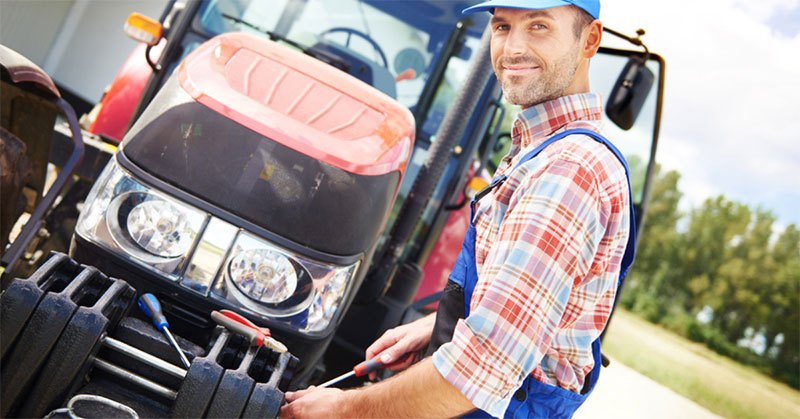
x: 419, y: 392
x: 313, y: 402
x: 405, y: 339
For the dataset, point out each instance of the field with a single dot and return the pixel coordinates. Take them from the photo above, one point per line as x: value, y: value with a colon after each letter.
x: 712, y: 381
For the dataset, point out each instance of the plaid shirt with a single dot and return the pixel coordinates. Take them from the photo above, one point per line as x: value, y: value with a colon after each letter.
x: 549, y: 243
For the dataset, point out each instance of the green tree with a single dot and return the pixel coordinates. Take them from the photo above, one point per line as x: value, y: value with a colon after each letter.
x: 659, y: 251
x: 739, y: 299
x: 725, y: 259
x: 712, y: 229
x: 783, y: 303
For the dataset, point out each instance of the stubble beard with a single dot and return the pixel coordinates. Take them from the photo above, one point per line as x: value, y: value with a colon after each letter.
x: 551, y: 84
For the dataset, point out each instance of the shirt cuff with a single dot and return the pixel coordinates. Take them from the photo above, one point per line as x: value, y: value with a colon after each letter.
x: 467, y: 364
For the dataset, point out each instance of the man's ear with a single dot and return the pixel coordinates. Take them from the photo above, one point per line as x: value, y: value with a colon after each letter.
x: 592, y: 35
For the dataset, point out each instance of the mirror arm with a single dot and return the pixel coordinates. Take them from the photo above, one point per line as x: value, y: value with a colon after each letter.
x: 460, y: 204
x: 156, y: 68
x: 633, y: 40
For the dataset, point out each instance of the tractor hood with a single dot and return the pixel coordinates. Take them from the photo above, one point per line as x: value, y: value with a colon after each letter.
x: 279, y: 139
x: 300, y: 102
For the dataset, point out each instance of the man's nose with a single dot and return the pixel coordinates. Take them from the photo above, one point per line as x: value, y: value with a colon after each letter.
x: 516, y: 42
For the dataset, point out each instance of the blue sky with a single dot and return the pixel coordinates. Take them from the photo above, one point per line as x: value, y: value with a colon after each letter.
x: 786, y: 20
x: 731, y: 121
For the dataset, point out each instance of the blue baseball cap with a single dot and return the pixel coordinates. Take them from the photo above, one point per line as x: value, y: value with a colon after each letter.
x: 589, y: 6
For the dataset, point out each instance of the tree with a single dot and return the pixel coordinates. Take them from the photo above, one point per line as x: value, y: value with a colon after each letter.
x: 713, y: 228
x: 724, y: 259
x: 783, y: 302
x: 741, y: 280
x: 659, y: 251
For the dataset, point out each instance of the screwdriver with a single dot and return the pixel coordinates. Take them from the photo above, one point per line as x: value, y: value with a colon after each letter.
x: 364, y: 368
x: 152, y: 308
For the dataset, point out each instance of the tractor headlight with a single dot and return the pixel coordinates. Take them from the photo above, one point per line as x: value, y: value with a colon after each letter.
x: 125, y: 215
x: 327, y: 301
x: 160, y: 228
x: 264, y: 275
x: 276, y: 282
x: 209, y: 256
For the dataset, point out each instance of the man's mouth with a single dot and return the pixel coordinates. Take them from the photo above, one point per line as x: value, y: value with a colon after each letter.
x: 519, y: 70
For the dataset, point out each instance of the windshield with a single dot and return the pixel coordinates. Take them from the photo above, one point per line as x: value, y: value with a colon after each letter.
x: 393, y: 51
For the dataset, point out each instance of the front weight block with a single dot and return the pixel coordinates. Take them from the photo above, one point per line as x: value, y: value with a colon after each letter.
x: 234, y: 389
x: 39, y: 337
x: 201, y: 382
x: 22, y: 297
x: 267, y: 398
x: 78, y: 345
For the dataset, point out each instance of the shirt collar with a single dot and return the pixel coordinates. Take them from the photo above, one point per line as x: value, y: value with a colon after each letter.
x: 538, y: 122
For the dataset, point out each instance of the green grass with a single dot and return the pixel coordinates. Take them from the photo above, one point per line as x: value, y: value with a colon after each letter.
x: 717, y: 383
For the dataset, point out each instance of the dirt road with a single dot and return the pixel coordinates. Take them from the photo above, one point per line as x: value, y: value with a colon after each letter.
x: 624, y: 393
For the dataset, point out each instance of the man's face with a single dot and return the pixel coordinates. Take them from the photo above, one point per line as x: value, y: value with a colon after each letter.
x: 535, y: 53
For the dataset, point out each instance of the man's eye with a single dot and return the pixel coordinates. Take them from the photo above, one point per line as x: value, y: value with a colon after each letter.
x: 501, y: 28
x: 538, y: 27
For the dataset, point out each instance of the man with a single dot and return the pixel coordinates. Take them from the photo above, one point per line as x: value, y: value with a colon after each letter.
x: 534, y: 286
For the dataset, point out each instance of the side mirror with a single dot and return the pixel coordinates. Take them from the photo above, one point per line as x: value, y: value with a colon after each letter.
x: 629, y: 93
x: 143, y: 29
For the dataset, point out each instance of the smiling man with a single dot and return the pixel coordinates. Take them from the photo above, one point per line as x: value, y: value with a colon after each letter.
x: 517, y: 330
x: 540, y: 64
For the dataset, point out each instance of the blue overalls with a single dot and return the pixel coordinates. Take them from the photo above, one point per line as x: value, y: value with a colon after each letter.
x: 534, y: 398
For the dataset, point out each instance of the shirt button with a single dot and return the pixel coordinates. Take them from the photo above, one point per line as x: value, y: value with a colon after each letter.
x: 520, y: 395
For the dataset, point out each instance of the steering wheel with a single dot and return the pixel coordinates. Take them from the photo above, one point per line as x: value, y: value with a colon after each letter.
x: 350, y: 32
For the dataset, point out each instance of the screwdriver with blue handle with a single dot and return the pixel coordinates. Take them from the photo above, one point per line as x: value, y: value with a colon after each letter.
x: 364, y: 368
x: 152, y: 309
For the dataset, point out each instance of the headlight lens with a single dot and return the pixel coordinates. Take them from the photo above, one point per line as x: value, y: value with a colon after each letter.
x: 263, y: 275
x: 272, y: 281
x: 327, y: 301
x: 211, y: 257
x: 127, y: 216
x: 160, y: 228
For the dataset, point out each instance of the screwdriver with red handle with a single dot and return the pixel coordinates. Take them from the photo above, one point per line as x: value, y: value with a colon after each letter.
x: 364, y: 368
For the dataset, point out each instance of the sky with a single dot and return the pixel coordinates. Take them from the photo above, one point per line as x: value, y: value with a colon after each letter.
x: 731, y: 122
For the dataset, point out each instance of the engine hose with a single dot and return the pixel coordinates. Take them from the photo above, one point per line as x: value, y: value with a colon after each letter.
x: 450, y: 132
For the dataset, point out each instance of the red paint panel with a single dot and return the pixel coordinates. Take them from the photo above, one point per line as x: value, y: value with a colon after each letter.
x: 300, y: 102
x: 444, y: 254
x: 120, y: 100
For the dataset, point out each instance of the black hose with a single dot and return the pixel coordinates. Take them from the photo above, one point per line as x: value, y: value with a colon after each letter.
x: 450, y: 132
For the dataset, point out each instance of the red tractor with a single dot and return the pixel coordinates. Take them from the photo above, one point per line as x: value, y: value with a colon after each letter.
x: 309, y: 174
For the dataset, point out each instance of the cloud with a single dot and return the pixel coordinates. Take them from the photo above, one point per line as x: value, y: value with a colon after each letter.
x: 764, y: 10
x: 731, y: 121
x: 786, y: 22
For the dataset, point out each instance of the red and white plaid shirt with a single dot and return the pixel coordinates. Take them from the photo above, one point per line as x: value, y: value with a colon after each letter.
x: 549, y: 243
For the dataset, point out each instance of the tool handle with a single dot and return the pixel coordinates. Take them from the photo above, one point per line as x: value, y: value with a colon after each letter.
x: 244, y: 320
x: 253, y: 335
x: 274, y: 344
x: 152, y: 309
x: 374, y: 364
